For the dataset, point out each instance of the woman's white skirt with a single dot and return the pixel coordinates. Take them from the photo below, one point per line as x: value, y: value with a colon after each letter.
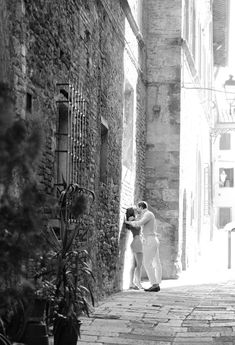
x: 137, y: 244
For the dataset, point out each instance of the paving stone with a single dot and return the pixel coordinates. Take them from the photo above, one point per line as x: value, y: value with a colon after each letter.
x: 198, y: 341
x: 228, y: 332
x: 122, y: 341
x: 226, y: 338
x: 183, y: 315
x: 197, y: 334
x: 210, y: 329
x: 222, y: 323
x: 166, y: 327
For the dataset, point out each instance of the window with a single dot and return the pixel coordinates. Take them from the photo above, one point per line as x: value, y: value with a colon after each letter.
x: 224, y: 216
x: 103, y: 151
x: 62, y: 145
x: 199, y: 50
x: 128, y: 126
x: 225, y: 141
x: 206, y: 190
x: 192, y: 209
x: 186, y: 20
x: 226, y: 177
x: 72, y: 123
x: 28, y: 102
x: 193, y: 30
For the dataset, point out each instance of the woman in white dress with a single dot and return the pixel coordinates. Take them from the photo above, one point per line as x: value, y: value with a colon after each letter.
x: 137, y: 248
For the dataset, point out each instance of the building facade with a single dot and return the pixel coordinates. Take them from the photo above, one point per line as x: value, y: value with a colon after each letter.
x: 187, y: 42
x: 122, y: 90
x: 224, y: 179
x: 197, y: 121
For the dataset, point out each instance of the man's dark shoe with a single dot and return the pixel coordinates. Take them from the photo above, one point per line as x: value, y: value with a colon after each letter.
x: 153, y: 289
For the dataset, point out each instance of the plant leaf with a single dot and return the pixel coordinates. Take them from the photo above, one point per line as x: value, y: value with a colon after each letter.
x: 51, y: 238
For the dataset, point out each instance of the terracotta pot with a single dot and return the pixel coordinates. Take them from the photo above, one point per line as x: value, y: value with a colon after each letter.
x: 65, y: 332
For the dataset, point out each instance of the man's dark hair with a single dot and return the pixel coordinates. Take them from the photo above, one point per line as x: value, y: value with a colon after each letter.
x: 142, y: 204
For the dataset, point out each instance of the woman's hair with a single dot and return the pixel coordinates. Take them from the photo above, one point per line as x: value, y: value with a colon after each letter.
x: 142, y: 204
x: 130, y: 212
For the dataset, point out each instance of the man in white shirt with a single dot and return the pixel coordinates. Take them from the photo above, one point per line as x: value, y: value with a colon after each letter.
x: 151, y: 257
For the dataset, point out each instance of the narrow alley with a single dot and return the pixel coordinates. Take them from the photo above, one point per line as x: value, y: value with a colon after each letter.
x: 186, y: 311
x: 106, y: 106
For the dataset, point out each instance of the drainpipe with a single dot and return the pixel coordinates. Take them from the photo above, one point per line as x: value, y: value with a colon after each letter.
x: 127, y: 10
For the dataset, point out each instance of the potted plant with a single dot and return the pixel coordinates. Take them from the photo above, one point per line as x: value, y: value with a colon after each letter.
x: 65, y: 271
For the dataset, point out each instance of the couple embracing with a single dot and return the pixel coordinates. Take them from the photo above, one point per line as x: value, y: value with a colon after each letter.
x: 145, y: 245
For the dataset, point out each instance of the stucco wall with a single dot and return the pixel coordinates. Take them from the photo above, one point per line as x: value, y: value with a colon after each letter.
x: 195, y: 174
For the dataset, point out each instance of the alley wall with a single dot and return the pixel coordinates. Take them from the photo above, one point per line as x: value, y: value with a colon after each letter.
x: 81, y: 43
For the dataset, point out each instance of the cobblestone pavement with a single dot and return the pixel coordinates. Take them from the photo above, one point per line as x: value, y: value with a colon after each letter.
x: 182, y: 313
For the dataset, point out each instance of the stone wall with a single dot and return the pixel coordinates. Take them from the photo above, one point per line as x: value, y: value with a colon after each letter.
x: 140, y: 140
x: 163, y: 33
x: 5, y: 66
x: 221, y: 11
x: 54, y: 42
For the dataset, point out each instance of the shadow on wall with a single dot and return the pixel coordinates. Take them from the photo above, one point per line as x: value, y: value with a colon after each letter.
x: 168, y: 237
